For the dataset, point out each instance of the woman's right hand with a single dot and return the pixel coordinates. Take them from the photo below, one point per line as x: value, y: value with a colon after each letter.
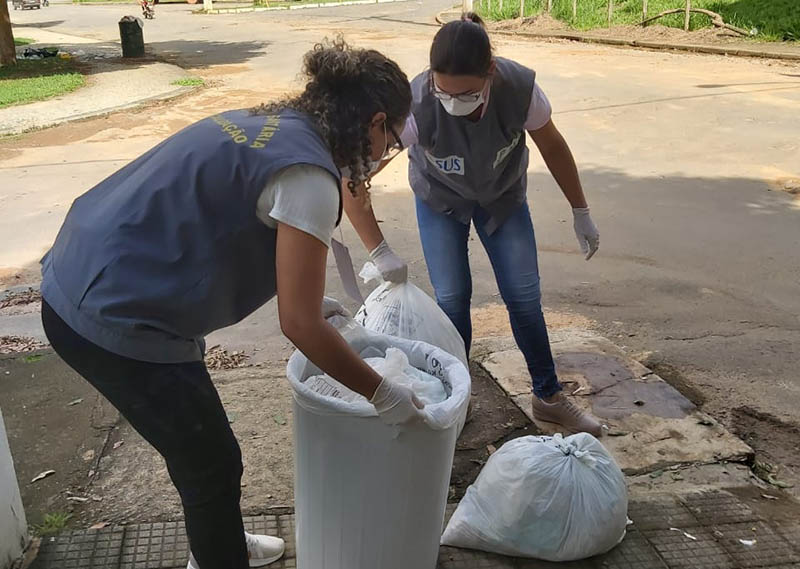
x: 396, y: 404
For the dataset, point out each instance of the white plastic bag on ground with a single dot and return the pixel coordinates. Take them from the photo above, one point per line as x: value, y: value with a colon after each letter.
x: 405, y: 311
x: 550, y: 498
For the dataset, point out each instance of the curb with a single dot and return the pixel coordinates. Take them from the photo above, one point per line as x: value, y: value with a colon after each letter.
x: 102, y: 112
x: 641, y: 44
x: 286, y: 8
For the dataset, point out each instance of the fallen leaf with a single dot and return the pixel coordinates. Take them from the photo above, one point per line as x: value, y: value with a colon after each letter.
x: 99, y: 525
x: 748, y: 542
x: 279, y: 419
x: 492, y: 449
x: 705, y: 422
x: 75, y: 402
x: 231, y: 417
x: 718, y: 534
x: 656, y: 474
x: 118, y: 444
x: 88, y: 456
x: 778, y: 483
x: 43, y: 475
x: 33, y: 359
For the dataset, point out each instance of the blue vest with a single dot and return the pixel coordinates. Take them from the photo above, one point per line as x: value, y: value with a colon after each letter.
x: 169, y: 248
x: 458, y: 164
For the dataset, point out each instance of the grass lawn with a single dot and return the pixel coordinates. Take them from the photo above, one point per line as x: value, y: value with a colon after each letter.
x: 37, y: 79
x: 775, y: 20
x: 23, y: 41
x: 189, y: 82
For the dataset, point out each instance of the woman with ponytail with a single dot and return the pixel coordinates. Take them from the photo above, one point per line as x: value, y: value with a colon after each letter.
x: 468, y: 166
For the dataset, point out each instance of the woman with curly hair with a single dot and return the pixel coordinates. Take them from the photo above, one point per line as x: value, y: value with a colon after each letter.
x: 195, y: 235
x: 468, y: 166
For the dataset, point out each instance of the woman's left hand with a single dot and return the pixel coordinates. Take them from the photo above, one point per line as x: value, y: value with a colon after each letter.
x: 586, y: 231
x: 332, y: 307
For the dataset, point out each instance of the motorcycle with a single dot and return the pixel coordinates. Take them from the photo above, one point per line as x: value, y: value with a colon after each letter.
x: 147, y: 9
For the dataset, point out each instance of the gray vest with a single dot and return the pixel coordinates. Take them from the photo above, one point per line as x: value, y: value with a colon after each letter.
x: 169, y: 248
x: 458, y: 164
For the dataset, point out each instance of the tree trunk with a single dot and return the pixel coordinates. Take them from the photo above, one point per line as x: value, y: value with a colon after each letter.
x: 8, y: 53
x: 688, y: 15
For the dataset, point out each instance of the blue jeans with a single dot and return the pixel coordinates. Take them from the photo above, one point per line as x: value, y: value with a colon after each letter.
x: 512, y: 252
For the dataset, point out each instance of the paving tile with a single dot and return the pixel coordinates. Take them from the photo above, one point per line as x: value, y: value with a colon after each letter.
x: 770, y: 548
x: 452, y: 558
x: 662, y: 512
x: 718, y: 507
x: 635, y: 552
x: 92, y: 549
x: 681, y: 552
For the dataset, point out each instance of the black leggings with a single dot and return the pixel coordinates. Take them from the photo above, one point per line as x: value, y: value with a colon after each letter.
x: 176, y: 408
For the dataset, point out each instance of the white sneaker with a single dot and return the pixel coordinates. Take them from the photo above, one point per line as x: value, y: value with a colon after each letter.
x: 261, y: 550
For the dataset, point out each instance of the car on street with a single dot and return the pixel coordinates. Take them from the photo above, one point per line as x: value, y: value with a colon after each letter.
x: 29, y: 4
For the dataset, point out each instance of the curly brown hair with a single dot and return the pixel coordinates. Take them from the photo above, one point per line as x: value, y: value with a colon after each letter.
x: 345, y: 88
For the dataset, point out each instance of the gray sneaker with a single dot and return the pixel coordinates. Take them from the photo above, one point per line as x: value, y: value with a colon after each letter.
x: 565, y: 413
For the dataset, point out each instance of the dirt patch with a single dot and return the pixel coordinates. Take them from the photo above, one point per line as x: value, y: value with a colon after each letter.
x: 494, y: 420
x: 218, y: 358
x: 19, y: 298
x: 19, y: 345
x: 539, y: 23
x: 776, y: 443
x: 492, y: 320
x: 545, y: 24
x: 789, y: 185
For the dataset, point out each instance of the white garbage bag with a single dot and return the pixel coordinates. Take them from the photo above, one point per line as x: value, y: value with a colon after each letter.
x: 394, y: 367
x: 405, y: 311
x: 550, y: 498
x: 446, y: 369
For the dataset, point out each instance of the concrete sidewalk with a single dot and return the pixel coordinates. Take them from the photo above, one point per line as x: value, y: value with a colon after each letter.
x: 717, y: 530
x: 112, y: 84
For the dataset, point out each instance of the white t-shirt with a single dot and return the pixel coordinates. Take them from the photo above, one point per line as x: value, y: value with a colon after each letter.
x: 539, y: 113
x: 302, y: 196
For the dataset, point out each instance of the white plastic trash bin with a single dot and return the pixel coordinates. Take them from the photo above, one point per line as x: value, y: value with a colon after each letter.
x: 369, y: 496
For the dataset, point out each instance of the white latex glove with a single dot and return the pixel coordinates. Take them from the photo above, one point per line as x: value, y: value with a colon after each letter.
x: 586, y: 231
x: 396, y: 404
x: 393, y: 269
x: 332, y: 307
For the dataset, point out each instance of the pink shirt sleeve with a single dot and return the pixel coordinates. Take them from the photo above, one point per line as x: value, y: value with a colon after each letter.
x: 410, y: 134
x: 540, y: 110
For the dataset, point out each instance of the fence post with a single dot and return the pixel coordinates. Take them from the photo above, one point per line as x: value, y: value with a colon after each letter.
x: 575, y: 9
x: 688, y: 15
x: 644, y: 10
x: 521, y: 9
x: 610, y: 11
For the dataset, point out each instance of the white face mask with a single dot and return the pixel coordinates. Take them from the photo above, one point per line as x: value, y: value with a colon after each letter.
x: 461, y: 108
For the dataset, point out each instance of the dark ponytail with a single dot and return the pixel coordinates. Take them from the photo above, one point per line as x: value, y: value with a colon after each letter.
x: 346, y: 87
x: 462, y: 47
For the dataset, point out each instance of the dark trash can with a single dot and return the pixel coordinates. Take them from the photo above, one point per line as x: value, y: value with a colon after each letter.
x: 130, y: 34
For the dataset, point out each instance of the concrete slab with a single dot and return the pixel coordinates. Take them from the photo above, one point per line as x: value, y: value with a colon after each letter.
x: 651, y: 425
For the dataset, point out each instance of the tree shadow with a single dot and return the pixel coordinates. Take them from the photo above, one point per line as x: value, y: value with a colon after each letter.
x: 779, y: 19
x: 101, y: 57
x: 204, y: 54
x: 50, y: 24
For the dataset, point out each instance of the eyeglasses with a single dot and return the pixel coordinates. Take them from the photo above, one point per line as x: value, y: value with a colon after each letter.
x: 463, y: 97
x: 394, y: 149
